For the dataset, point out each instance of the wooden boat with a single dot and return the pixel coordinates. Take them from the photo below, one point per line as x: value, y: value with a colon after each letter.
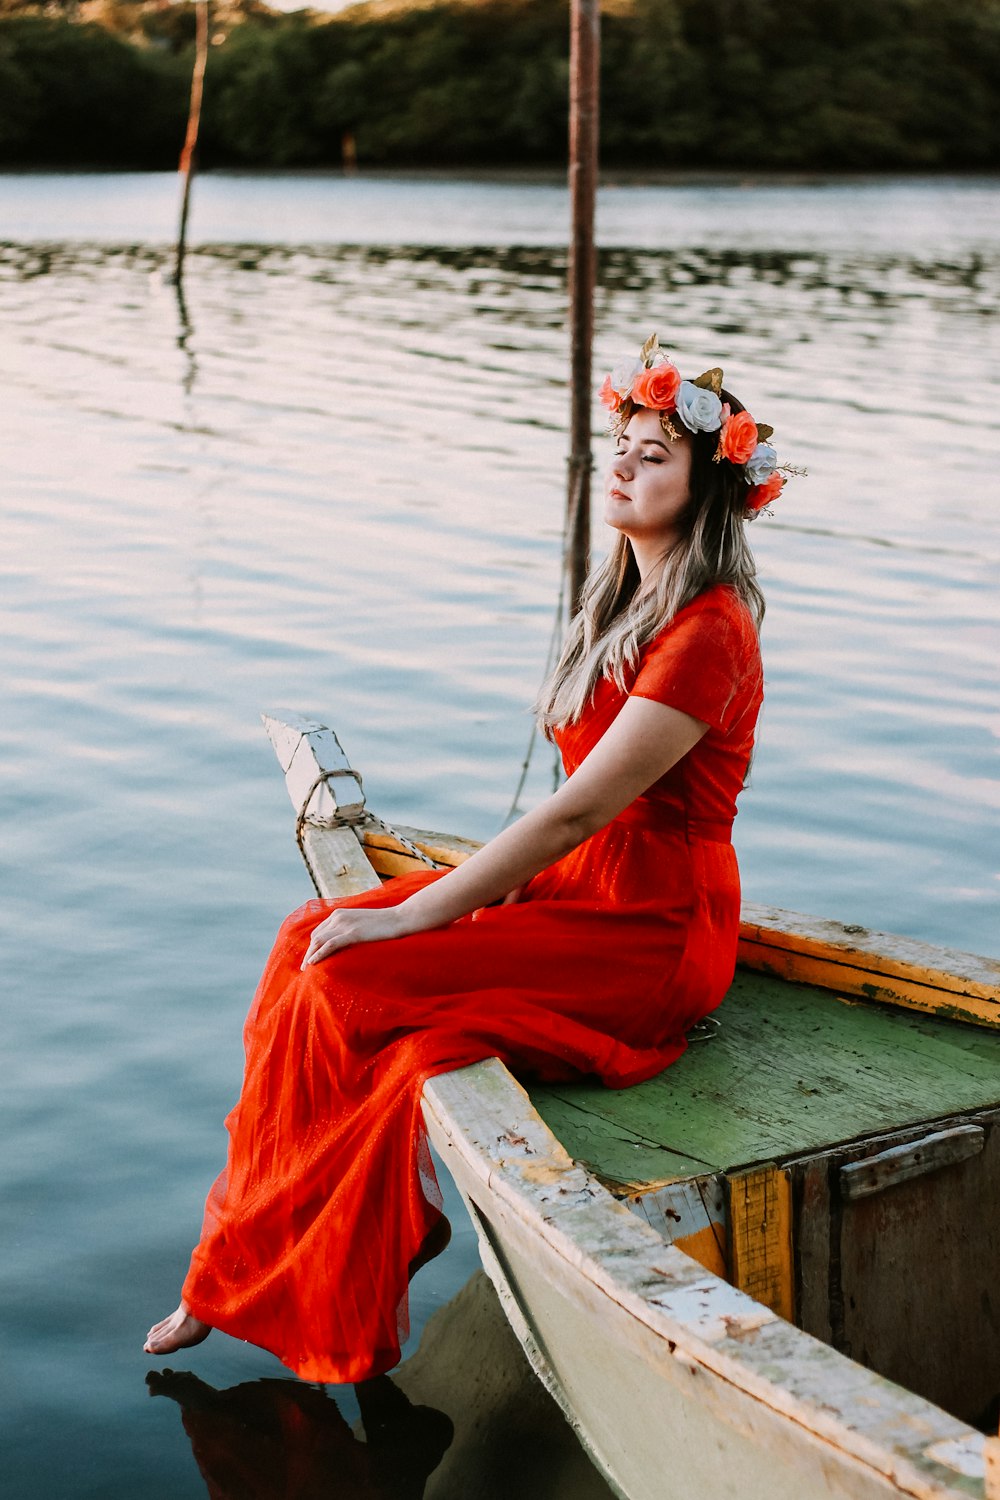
x: 774, y: 1270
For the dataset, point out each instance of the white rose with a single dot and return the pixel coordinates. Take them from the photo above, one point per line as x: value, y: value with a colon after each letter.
x: 623, y: 374
x: 700, y: 410
x: 661, y: 357
x: 761, y: 464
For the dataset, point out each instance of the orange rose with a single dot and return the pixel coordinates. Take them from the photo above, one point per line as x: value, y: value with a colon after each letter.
x: 609, y: 396
x: 762, y: 494
x: 657, y: 388
x: 738, y: 438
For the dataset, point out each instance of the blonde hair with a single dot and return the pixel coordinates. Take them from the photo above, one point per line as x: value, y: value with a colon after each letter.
x: 616, y: 619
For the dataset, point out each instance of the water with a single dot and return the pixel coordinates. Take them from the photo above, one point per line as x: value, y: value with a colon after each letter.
x: 333, y: 480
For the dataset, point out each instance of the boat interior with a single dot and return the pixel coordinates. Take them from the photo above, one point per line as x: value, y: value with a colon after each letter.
x: 836, y: 1158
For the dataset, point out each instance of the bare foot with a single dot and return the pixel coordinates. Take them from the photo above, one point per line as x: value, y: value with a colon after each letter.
x: 180, y: 1331
x: 433, y: 1245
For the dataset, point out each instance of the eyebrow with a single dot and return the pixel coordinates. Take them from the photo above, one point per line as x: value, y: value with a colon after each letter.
x: 655, y: 441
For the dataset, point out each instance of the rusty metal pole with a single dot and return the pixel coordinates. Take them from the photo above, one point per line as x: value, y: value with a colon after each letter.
x: 584, y: 68
x: 187, y: 162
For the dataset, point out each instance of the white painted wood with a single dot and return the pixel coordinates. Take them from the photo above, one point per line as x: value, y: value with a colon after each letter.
x: 337, y: 862
x: 665, y: 1370
x: 307, y: 750
x: 333, y: 812
x: 942, y: 1148
x: 682, y: 1208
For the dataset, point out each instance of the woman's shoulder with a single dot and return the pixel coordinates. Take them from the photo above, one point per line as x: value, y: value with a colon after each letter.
x: 706, y: 661
x: 719, y: 605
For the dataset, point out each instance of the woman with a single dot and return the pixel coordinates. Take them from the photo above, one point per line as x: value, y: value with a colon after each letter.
x: 585, y: 939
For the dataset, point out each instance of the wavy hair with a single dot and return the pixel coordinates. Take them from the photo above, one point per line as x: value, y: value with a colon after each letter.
x: 616, y: 619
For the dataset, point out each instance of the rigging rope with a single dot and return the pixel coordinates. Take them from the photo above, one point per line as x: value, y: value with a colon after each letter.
x: 356, y: 822
x: 569, y: 527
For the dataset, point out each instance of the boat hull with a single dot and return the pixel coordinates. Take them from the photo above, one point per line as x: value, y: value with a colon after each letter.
x: 677, y: 1383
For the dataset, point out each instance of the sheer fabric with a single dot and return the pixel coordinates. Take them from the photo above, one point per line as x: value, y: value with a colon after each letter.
x: 613, y: 953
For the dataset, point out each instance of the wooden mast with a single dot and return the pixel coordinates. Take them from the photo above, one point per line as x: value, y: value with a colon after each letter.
x: 187, y: 162
x: 585, y: 48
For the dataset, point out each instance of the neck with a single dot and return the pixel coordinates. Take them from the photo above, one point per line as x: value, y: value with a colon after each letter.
x: 650, y: 558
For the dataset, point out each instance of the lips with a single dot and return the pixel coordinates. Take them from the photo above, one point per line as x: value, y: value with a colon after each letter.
x: 616, y: 494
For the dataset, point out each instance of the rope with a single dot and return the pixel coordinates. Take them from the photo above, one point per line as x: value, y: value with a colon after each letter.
x: 355, y: 821
x: 408, y: 844
x: 554, y: 637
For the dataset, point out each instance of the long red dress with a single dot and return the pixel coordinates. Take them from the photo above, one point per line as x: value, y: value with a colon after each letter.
x: 612, y: 954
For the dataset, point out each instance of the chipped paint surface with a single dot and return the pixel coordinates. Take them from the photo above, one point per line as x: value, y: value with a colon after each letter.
x: 714, y: 1313
x: 965, y: 1454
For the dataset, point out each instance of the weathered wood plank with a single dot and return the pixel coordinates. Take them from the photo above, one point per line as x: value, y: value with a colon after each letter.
x: 446, y: 848
x: 327, y: 810
x: 760, y: 1236
x: 942, y: 1148
x: 811, y: 1234
x: 877, y: 965
x: 337, y: 862
x: 623, y: 1159
x: 791, y: 1071
x: 918, y: 1269
x: 690, y: 1215
x: 306, y: 751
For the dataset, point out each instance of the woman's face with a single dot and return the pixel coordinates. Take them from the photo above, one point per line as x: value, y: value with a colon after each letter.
x: 647, y: 486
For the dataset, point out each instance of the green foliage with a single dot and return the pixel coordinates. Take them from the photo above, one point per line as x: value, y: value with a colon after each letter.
x: 761, y: 84
x: 75, y: 95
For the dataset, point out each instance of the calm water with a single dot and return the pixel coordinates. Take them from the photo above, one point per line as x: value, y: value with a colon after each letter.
x: 333, y: 480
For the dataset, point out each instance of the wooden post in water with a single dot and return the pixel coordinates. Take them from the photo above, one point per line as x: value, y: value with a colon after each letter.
x: 584, y: 63
x: 187, y: 162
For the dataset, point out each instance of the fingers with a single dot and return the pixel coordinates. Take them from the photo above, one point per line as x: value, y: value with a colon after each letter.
x: 316, y: 952
x: 323, y: 941
x: 344, y: 928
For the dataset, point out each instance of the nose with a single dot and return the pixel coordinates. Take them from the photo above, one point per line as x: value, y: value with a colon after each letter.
x: 620, y: 466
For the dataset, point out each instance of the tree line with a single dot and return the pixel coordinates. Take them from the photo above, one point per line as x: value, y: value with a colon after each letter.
x: 685, y: 84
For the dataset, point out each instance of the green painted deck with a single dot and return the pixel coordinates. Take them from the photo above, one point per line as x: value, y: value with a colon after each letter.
x: 793, y: 1069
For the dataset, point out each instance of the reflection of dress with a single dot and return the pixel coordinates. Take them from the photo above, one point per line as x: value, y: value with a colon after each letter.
x: 612, y: 954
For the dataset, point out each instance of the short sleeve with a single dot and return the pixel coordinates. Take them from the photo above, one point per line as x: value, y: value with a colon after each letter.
x: 699, y: 663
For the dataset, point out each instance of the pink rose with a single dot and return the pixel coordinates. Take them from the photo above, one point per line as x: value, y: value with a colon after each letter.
x: 657, y: 388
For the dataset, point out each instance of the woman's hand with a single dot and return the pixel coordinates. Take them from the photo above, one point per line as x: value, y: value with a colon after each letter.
x: 354, y: 924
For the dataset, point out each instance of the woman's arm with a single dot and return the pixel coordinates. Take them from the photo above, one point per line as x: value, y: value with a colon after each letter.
x: 643, y: 742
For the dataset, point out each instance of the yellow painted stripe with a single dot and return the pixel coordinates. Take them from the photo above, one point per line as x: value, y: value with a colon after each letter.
x: 760, y: 1236
x: 834, y: 973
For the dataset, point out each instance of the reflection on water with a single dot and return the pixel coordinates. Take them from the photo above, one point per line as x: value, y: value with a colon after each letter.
x: 284, y: 1440
x: 462, y: 1419
x: 332, y: 477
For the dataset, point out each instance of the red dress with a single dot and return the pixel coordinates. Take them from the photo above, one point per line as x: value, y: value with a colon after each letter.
x: 613, y: 953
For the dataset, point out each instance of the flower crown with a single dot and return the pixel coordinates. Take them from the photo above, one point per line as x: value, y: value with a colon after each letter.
x: 654, y: 381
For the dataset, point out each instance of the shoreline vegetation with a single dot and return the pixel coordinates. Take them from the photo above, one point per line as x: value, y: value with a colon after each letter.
x: 690, y: 89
